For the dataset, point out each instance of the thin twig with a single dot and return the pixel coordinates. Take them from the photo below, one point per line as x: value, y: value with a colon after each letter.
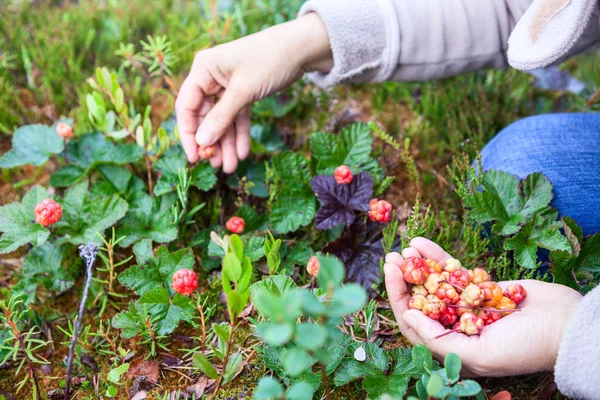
x: 225, y: 359
x: 88, y: 253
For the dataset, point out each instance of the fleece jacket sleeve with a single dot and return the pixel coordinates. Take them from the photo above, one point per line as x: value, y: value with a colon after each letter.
x: 578, y: 358
x: 379, y: 40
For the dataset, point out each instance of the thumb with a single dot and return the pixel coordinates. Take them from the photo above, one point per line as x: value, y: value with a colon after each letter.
x: 427, y: 328
x: 221, y: 116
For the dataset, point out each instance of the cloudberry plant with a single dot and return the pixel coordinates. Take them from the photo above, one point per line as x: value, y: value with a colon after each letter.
x: 419, y: 289
x: 516, y: 292
x: 417, y: 302
x: 343, y: 175
x: 452, y: 264
x: 479, y: 275
x: 185, y: 281
x: 381, y: 210
x: 415, y: 270
x: 64, y: 130
x: 447, y: 293
x: 206, y: 152
x: 492, y: 293
x: 459, y: 278
x: 47, y: 212
x: 434, y: 307
x: 434, y: 266
x: 235, y: 225
x: 313, y: 266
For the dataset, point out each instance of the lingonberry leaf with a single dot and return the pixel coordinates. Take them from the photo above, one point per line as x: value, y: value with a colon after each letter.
x: 155, y: 271
x: 150, y: 218
x: 86, y: 216
x: 339, y: 202
x: 43, y: 267
x: 203, y: 176
x: 32, y: 144
x: 17, y: 222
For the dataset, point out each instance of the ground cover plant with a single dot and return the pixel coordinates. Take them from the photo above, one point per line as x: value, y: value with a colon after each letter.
x: 128, y: 273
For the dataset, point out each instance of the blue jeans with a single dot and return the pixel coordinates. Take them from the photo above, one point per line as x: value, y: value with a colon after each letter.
x: 564, y: 147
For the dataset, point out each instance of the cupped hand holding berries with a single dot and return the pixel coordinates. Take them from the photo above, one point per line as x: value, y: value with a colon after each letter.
x: 520, y: 343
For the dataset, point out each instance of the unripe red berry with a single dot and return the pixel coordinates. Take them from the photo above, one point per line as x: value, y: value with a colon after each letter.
x: 506, y: 304
x: 313, y: 266
x: 415, y: 270
x: 434, y: 266
x: 343, y: 175
x: 433, y: 283
x: 64, y: 130
x: 488, y: 317
x: 235, y: 225
x: 479, y: 275
x: 492, y: 293
x: 185, y: 281
x: 460, y: 278
x: 419, y: 289
x: 447, y: 293
x: 471, y: 324
x: 434, y: 307
x: 516, y: 292
x: 472, y: 295
x: 381, y: 210
x: 452, y: 264
x: 462, y: 307
x: 47, y: 212
x: 206, y: 152
x: 448, y: 317
x: 417, y: 302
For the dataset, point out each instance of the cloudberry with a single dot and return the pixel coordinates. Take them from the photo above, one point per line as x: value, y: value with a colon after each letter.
x: 313, y: 266
x: 492, y: 293
x: 434, y: 266
x: 417, y: 302
x: 506, y: 304
x: 64, y: 130
x: 381, y: 210
x: 206, y: 152
x: 448, y: 317
x: 479, y: 275
x: 516, y: 292
x: 471, y: 324
x: 185, y: 281
x: 489, y: 317
x: 419, y: 289
x: 415, y: 270
x: 434, y: 307
x: 462, y: 307
x: 452, y: 264
x: 447, y: 293
x: 460, y: 278
x: 433, y: 282
x: 47, y: 212
x: 343, y: 175
x: 235, y: 225
x: 472, y: 295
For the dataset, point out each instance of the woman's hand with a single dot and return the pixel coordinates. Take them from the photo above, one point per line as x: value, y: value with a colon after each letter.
x: 520, y: 343
x: 238, y: 73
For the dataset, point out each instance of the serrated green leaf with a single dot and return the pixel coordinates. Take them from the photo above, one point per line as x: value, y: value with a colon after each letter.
x: 254, y: 248
x: 203, y: 176
x: 32, y: 144
x: 573, y: 233
x: 291, y: 168
x: 291, y: 212
x: 66, y: 176
x: 589, y: 257
x: 166, y: 312
x: 93, y: 149
x: 117, y: 180
x: 562, y: 268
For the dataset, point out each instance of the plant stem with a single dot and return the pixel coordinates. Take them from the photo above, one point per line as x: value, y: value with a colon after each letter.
x: 325, y: 380
x: 149, y: 174
x: 203, y: 322
x: 225, y: 359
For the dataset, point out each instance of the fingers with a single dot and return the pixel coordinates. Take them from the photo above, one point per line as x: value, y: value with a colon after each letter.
x: 429, y: 249
x: 228, y: 151
x: 242, y: 133
x: 410, y: 252
x: 221, y: 117
x: 187, y: 108
x: 217, y: 160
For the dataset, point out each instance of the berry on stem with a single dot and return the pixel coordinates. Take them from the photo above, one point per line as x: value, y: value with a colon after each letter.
x: 47, y: 212
x: 206, y: 152
x: 415, y: 270
x: 64, y: 130
x: 381, y: 210
x: 462, y: 307
x: 343, y: 175
x: 479, y: 275
x: 185, y: 281
x: 235, y: 225
x: 313, y: 266
x: 492, y: 293
x: 516, y: 292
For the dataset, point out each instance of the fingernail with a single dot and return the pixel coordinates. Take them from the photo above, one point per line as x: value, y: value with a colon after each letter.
x: 393, y: 258
x: 409, y: 319
x: 404, y: 252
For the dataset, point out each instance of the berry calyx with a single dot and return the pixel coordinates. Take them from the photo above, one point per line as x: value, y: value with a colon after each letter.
x: 433, y: 283
x: 459, y: 278
x: 235, y: 225
x: 419, y: 289
x: 64, y: 130
x: 313, y: 266
x: 434, y: 307
x: 471, y: 324
x: 492, y: 293
x: 206, y: 152
x: 447, y: 293
x: 417, y: 302
x: 516, y: 292
x: 472, y: 295
x: 381, y: 210
x: 343, y: 175
x: 452, y: 264
x: 434, y: 266
x: 448, y: 317
x: 47, y: 212
x: 415, y: 270
x: 185, y: 281
x: 479, y: 275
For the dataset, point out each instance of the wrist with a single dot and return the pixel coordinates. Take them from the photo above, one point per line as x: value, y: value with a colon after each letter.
x: 314, y: 44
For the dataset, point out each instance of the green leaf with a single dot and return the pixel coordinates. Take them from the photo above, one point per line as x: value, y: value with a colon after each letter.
x: 268, y: 389
x: 17, y: 222
x: 310, y: 336
x: 536, y: 193
x: 152, y: 272
x: 168, y: 313
x: 127, y: 321
x: 201, y: 362
x: 589, y: 258
x: 293, y: 171
x: 573, y: 233
x: 292, y: 211
x: 66, y: 176
x: 347, y: 299
x: 255, y: 174
x: 114, y: 375
x: 562, y: 269
x: 295, y: 361
x: 275, y: 334
x: 93, y: 149
x: 232, y: 267
x: 234, y: 365
x: 32, y: 144
x: 117, y: 180
x: 377, y: 356
x: 331, y: 272
x: 254, y: 248
x: 300, y: 391
x: 203, y: 176
x: 453, y: 365
x: 393, y: 385
x: 251, y: 218
x: 349, y: 370
x: 434, y: 385
x: 465, y: 388
x: 278, y: 285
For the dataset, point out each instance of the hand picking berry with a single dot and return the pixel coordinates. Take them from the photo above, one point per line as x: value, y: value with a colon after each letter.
x: 516, y: 293
x: 235, y: 225
x: 64, y: 130
x: 343, y: 175
x: 313, y: 266
x: 381, y: 210
x: 206, y: 152
x: 47, y: 212
x: 185, y: 281
x: 415, y: 270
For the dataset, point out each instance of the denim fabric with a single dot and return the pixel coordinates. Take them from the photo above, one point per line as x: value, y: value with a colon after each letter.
x: 564, y: 147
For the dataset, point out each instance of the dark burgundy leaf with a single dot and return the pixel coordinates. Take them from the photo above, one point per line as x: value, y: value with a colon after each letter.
x: 338, y: 202
x: 90, y: 362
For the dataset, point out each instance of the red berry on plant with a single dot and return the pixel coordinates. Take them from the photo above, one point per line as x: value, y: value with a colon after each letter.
x: 381, y: 210
x: 434, y: 266
x: 415, y: 270
x: 479, y: 275
x: 433, y: 283
x: 448, y: 317
x: 206, y: 152
x: 419, y: 289
x: 459, y: 278
x: 47, y: 212
x: 64, y: 130
x: 447, y: 293
x: 235, y: 225
x: 343, y: 175
x: 471, y: 324
x: 434, y: 307
x: 417, y: 302
x: 452, y: 264
x: 516, y: 292
x: 185, y: 281
x: 313, y: 266
x: 492, y: 293
x: 472, y: 295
